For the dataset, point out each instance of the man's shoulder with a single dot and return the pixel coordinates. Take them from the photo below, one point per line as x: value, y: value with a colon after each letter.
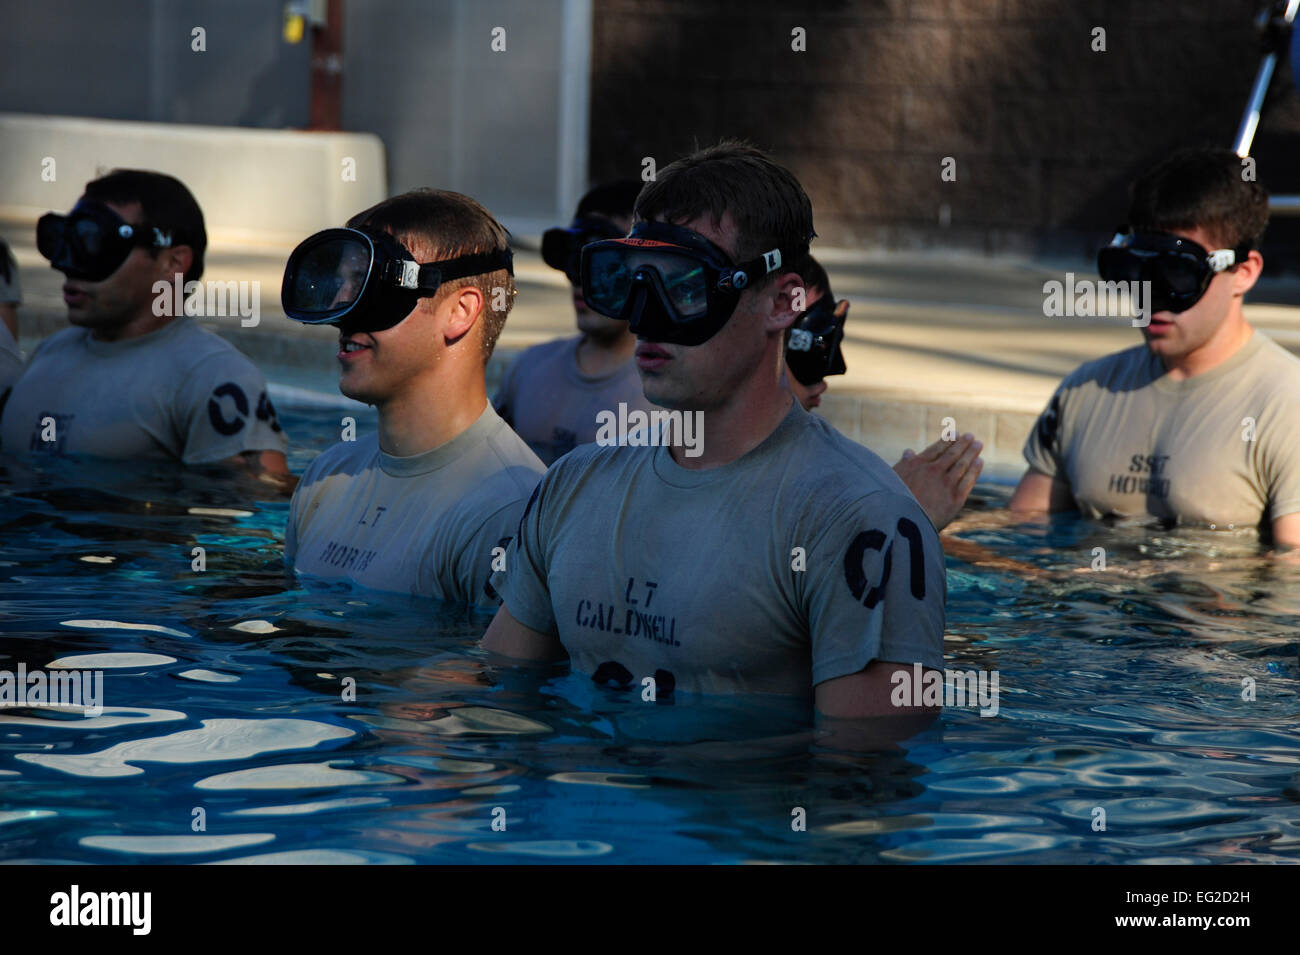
x: 344, y: 457
x: 65, y: 339
x: 198, y: 347
x: 509, y: 463
x: 1275, y: 367
x: 832, y: 470
x: 1125, y: 364
x: 544, y: 353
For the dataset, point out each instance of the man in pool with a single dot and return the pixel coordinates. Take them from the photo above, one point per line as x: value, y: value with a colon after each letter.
x: 1196, y: 426
x: 419, y: 286
x: 552, y: 393
x: 942, y: 476
x: 816, y: 334
x: 126, y: 381
x: 783, y: 558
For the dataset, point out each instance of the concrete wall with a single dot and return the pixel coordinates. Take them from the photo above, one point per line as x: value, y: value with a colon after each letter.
x: 135, y: 60
x: 256, y: 187
x: 507, y: 127
x: 1045, y: 131
x: 454, y: 113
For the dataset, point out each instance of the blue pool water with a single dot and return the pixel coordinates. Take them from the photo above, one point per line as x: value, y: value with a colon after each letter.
x: 1119, y: 689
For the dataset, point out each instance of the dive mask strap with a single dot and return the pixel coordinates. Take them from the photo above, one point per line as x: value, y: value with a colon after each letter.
x: 431, y: 275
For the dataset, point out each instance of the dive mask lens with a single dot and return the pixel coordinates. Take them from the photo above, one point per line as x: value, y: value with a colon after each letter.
x: 613, y: 269
x: 668, y: 283
x: 1183, y: 275
x: 1119, y: 265
x: 91, y: 242
x: 326, y: 276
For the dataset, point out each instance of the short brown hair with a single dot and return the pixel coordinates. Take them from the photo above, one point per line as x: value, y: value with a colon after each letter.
x: 164, y: 203
x: 1201, y: 188
x: 440, y: 224
x: 769, y: 206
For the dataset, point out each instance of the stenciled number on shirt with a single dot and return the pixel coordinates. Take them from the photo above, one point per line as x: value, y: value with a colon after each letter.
x: 220, y: 422
x: 266, y: 412
x: 875, y: 540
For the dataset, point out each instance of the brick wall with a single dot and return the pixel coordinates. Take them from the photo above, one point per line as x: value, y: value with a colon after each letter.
x: 1046, y: 133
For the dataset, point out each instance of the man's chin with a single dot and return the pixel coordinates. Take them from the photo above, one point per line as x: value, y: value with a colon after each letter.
x: 349, y: 387
x: 602, y: 329
x: 84, y: 319
x: 658, y: 392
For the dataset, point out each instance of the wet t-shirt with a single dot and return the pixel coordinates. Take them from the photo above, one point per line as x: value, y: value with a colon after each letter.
x: 553, y: 405
x: 801, y: 561
x: 11, y: 361
x: 425, y: 524
x: 179, y: 392
x: 1218, y: 449
x: 11, y: 293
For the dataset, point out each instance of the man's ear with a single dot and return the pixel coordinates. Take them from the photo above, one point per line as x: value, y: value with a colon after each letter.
x: 465, y: 305
x: 176, y: 260
x: 1247, y: 273
x: 784, y: 311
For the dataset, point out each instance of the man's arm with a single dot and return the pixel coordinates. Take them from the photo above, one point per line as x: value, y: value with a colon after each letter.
x: 854, y: 712
x: 1286, y: 531
x: 1038, y: 492
x: 866, y: 693
x: 507, y: 637
x: 270, y: 467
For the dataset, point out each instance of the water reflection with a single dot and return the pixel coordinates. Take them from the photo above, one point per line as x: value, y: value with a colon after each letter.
x: 320, y: 724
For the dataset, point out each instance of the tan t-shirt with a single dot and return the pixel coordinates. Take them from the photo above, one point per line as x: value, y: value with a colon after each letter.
x: 552, y: 405
x: 425, y: 524
x: 179, y: 392
x: 1218, y: 449
x: 801, y: 561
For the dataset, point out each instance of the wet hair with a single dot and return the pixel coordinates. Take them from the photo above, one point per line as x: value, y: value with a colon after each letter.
x: 1201, y: 188
x: 444, y: 225
x: 815, y: 277
x: 164, y: 203
x: 767, y: 203
x: 610, y: 199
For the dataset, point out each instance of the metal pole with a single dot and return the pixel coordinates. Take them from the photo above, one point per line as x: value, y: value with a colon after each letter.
x: 327, y: 69
x: 1250, y: 122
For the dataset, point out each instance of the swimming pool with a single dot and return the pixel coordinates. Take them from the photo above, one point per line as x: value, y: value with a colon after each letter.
x: 227, y: 734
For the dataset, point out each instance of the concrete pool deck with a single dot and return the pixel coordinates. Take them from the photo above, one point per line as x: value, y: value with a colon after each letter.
x: 930, y: 335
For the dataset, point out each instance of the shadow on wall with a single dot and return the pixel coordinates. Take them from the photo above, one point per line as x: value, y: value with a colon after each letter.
x: 1045, y: 128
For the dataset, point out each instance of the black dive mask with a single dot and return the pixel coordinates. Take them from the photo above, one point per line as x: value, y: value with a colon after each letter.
x: 1178, y: 269
x: 812, y: 343
x: 562, y: 248
x: 367, y: 281
x: 92, y: 241
x: 670, y: 284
